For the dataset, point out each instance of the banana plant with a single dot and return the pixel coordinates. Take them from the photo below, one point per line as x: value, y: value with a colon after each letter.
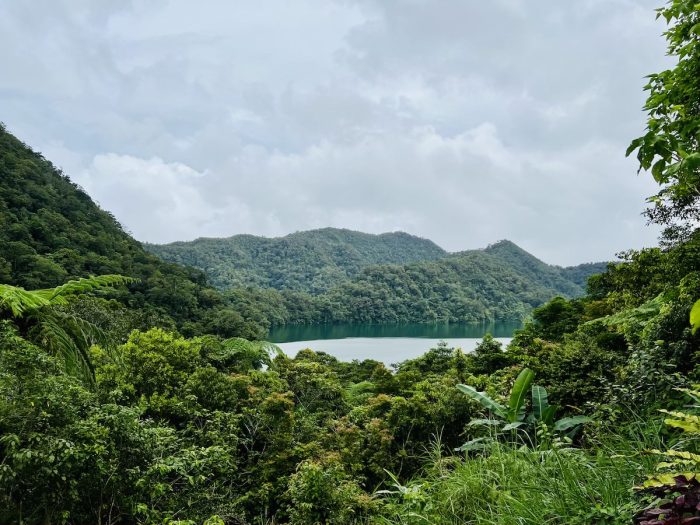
x: 514, y: 415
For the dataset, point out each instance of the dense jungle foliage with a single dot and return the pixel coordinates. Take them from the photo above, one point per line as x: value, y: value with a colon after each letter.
x: 334, y: 276
x: 589, y: 416
x: 316, y: 261
x: 311, y: 261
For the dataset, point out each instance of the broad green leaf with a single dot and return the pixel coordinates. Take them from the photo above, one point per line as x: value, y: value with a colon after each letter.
x: 567, y: 423
x: 540, y: 401
x: 657, y: 170
x: 484, y: 422
x: 518, y: 394
x: 548, y: 415
x: 695, y: 316
x: 483, y: 399
x: 513, y: 426
x: 633, y: 146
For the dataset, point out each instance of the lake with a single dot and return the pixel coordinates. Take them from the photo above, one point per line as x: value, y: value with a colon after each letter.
x: 389, y: 343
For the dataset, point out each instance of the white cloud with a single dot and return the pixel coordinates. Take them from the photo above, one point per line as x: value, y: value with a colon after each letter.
x: 463, y: 122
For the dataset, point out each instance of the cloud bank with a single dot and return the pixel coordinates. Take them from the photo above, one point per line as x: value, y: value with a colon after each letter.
x: 463, y: 122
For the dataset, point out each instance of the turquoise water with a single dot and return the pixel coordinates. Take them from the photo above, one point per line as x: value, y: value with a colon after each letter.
x: 387, y: 343
x: 289, y: 333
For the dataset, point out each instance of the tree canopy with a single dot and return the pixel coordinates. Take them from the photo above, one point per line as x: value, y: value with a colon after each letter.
x: 669, y: 148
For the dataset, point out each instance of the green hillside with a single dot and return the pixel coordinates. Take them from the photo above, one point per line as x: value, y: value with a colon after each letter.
x: 311, y: 261
x: 343, y: 276
x: 476, y: 285
x: 570, y: 281
x: 52, y: 231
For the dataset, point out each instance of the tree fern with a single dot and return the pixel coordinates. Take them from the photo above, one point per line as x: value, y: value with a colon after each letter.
x: 251, y: 354
x: 65, y: 335
x: 20, y: 301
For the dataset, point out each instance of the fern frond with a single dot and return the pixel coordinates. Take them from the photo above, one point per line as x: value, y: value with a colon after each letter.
x: 71, y: 339
x: 20, y: 301
x: 85, y: 285
x: 251, y: 354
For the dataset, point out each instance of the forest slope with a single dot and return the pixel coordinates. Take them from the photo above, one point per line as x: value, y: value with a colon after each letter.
x: 310, y: 261
x: 316, y: 261
x: 52, y: 231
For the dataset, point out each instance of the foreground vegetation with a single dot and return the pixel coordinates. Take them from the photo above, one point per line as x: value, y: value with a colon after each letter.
x: 121, y: 404
x: 166, y: 428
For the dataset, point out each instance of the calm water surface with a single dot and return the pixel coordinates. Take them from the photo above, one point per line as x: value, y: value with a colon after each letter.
x: 387, y: 343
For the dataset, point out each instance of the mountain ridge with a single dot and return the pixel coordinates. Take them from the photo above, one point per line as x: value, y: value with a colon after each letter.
x: 321, y: 257
x: 333, y: 255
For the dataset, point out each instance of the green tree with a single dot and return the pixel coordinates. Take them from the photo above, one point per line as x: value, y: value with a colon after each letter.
x: 488, y: 357
x: 671, y: 146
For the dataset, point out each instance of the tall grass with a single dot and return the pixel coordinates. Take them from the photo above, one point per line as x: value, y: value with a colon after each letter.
x: 508, y: 485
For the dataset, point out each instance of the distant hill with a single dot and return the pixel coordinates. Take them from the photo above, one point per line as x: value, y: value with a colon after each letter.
x: 310, y: 261
x: 468, y: 286
x: 570, y: 281
x: 318, y: 261
x: 501, y: 282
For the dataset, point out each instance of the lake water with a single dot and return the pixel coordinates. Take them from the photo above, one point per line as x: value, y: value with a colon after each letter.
x: 387, y: 343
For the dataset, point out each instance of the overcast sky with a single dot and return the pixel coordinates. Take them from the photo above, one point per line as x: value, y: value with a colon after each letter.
x: 462, y: 121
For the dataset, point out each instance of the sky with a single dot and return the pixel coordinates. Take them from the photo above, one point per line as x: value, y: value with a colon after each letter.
x: 462, y: 121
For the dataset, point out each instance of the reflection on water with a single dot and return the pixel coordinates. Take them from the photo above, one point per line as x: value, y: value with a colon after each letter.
x: 289, y: 333
x: 387, y: 343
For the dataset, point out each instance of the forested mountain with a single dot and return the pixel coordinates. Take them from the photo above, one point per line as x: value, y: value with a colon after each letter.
x: 310, y: 261
x: 51, y: 231
x: 476, y: 285
x: 331, y: 276
x: 552, y: 277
